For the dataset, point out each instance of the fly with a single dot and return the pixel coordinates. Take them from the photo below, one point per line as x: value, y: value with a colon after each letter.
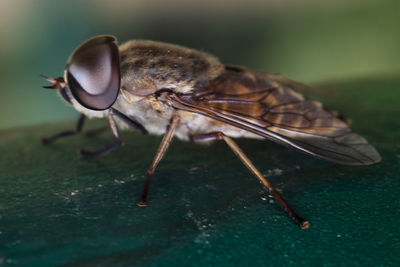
x: 170, y: 90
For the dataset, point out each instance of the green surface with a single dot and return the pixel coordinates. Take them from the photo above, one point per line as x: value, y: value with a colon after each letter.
x: 59, y: 208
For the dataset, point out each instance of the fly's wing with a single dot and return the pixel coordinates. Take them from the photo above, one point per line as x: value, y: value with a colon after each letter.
x: 267, y: 105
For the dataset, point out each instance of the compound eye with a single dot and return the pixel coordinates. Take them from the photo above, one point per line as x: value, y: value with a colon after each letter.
x: 93, y: 72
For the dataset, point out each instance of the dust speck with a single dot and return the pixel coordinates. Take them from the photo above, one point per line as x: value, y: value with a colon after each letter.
x: 274, y: 172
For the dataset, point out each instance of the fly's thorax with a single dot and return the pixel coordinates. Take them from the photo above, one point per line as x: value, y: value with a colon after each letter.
x: 147, y: 66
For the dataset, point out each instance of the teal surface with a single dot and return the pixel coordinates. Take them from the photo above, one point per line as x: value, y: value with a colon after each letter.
x: 57, y: 208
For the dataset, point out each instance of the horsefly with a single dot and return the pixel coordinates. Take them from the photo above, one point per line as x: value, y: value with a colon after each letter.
x: 170, y: 90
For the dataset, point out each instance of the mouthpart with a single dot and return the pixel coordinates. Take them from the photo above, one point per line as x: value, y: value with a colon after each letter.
x: 57, y: 82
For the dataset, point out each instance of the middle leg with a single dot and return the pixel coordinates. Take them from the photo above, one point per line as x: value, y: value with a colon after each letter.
x: 159, y: 155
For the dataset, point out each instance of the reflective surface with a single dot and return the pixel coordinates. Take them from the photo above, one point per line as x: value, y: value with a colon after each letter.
x: 58, y: 208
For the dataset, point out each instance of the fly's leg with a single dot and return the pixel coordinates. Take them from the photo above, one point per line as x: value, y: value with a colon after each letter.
x: 130, y: 122
x: 246, y: 161
x: 134, y: 125
x: 159, y: 155
x: 96, y: 132
x: 117, y: 140
x: 78, y: 129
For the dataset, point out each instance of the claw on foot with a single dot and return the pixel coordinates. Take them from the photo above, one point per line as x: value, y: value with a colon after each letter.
x: 142, y: 204
x: 305, y: 225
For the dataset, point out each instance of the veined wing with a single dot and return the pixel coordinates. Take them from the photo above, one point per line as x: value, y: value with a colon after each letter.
x: 267, y: 105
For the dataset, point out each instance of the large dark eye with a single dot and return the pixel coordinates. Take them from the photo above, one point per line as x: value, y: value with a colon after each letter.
x: 93, y: 72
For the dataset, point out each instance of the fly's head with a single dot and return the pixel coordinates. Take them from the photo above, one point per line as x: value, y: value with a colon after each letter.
x: 92, y: 76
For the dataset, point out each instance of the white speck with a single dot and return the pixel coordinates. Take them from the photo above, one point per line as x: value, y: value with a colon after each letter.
x: 297, y: 167
x: 208, y: 186
x: 264, y: 198
x: 339, y: 236
x: 271, y: 201
x: 99, y: 185
x: 204, y: 228
x: 274, y: 172
x: 193, y: 169
x: 73, y: 193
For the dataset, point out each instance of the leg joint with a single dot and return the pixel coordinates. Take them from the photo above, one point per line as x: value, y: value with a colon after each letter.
x: 207, y: 137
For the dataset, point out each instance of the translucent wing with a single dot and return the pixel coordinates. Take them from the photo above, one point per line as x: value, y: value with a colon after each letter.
x: 267, y: 105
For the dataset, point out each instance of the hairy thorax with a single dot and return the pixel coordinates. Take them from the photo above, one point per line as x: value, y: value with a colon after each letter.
x: 147, y: 66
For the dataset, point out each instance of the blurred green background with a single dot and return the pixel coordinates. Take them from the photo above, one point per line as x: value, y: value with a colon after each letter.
x: 311, y: 41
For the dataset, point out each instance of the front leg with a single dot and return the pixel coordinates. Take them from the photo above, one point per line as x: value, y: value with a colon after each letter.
x: 78, y: 129
x: 134, y: 125
x: 96, y: 132
x: 117, y: 140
